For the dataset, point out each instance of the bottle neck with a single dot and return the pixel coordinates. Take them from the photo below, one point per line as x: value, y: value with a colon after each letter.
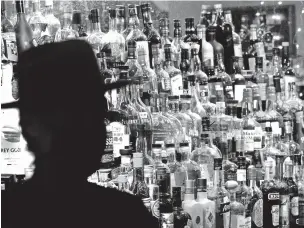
x: 201, y: 195
x: 233, y: 197
x: 217, y: 181
x: 189, y: 197
x: 133, y: 21
x: 138, y: 174
x: 246, y: 108
x: 211, y: 37
x: 49, y: 10
x: 269, y: 139
x: 96, y: 26
x: 279, y: 167
x: 112, y: 24
x: 252, y: 183
x: 196, y: 62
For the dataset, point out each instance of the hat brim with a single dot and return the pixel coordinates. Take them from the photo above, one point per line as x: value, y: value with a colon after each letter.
x: 107, y: 87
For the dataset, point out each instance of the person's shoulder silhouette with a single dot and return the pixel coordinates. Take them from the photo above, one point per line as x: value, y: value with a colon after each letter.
x: 62, y: 110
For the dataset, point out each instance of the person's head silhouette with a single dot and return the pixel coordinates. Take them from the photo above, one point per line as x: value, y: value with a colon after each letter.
x: 62, y: 109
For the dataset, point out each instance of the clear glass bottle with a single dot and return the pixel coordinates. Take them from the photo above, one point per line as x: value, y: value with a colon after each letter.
x: 123, y: 184
x: 120, y: 19
x: 218, y: 49
x: 137, y: 35
x: 175, y: 74
x: 293, y: 148
x: 150, y: 179
x: 139, y: 187
x: 185, y: 67
x: 180, y: 217
x: 293, y: 102
x: 214, y: 83
x: 135, y: 70
x: 7, y: 33
x: 262, y: 80
x: 141, y: 145
x: 250, y: 54
x: 66, y: 32
x: 218, y: 21
x: 220, y: 196
x: 204, y: 94
x: 190, y: 37
x: 226, y: 79
x: 189, y: 198
x: 113, y: 43
x: 255, y: 206
x: 177, y: 43
x: 207, y: 57
x: 96, y: 36
x: 237, y: 210
x: 239, y: 83
x: 37, y: 21
x: 53, y: 23
x: 157, y: 157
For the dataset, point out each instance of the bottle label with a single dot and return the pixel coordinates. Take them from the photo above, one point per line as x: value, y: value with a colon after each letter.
x: 251, y: 64
x: 275, y: 212
x: 238, y: 92
x: 142, y: 46
x: 207, y: 57
x: 210, y: 216
x: 118, y: 131
x: 241, y: 175
x: 10, y: 46
x: 177, y: 85
x: 143, y: 115
x: 284, y: 210
x: 137, y: 162
x: 238, y: 50
x: 257, y: 213
x: 249, y: 139
x: 237, y: 221
x: 262, y: 88
x: 155, y: 208
x: 294, y: 206
x: 247, y: 222
x: 125, y: 160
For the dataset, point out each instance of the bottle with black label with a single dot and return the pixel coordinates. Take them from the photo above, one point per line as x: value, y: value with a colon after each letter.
x: 220, y: 196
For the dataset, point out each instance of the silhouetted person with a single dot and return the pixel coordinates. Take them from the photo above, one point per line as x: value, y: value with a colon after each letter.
x: 62, y: 110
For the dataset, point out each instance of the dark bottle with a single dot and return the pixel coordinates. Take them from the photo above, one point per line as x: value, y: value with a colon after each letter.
x: 24, y: 33
x: 120, y: 18
x: 293, y: 196
x: 180, y: 217
x: 250, y: 53
x: 6, y: 24
x: 77, y: 24
x: 271, y: 201
x: 218, y: 49
x: 149, y: 30
x: 177, y: 42
x: 204, y: 20
x: 218, y: 23
x: 228, y: 45
x: 165, y: 202
x: 184, y: 67
x: 190, y: 36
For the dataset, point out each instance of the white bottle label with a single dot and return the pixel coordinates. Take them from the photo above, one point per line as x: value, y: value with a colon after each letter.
x: 275, y: 211
x: 143, y: 45
x: 251, y: 64
x: 294, y: 206
x: 284, y: 209
x: 237, y: 221
x: 241, y: 174
x: 238, y: 92
x: 257, y: 213
x: 118, y: 131
x: 177, y: 85
x: 238, y: 50
x: 249, y: 139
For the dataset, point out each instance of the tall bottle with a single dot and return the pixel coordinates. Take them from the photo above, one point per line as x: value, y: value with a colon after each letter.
x: 218, y: 49
x: 141, y: 145
x: 77, y: 25
x: 7, y: 35
x: 37, y: 21
x: 96, y: 36
x: 218, y: 23
x: 177, y: 43
x: 251, y: 54
x: 190, y: 37
x: 207, y: 57
x: 149, y: 30
x: 220, y: 196
x: 24, y: 34
x: 113, y: 43
x: 53, y: 23
x: 180, y: 217
x: 288, y: 72
x: 262, y: 80
x: 204, y: 20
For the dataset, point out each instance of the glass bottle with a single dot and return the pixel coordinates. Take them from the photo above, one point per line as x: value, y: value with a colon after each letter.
x: 137, y: 35
x: 218, y: 49
x: 293, y: 195
x: 53, y: 23
x: 292, y: 147
x: 165, y: 203
x: 180, y: 217
x: 120, y: 19
x: 204, y: 98
x: 196, y: 106
x: 96, y: 36
x: 293, y: 101
x: 189, y: 198
x: 7, y: 34
x: 141, y: 145
x: 135, y: 70
x: 218, y: 23
x: 193, y: 169
x: 206, y: 127
x: 113, y: 43
x: 139, y: 187
x: 24, y: 34
x: 185, y: 107
x: 164, y: 32
x: 190, y: 37
x: 215, y: 84
x: 203, y: 211
x: 150, y: 180
x: 207, y: 57
x: 237, y: 210
x: 177, y: 43
x: 301, y: 199
x: 157, y: 157
x: 125, y: 165
x: 78, y: 26
x: 261, y: 79
x: 67, y: 33
x: 175, y: 74
x: 226, y: 79
x: 163, y: 78
x: 13, y: 16
x: 123, y: 184
x: 37, y: 21
x: 220, y: 196
x: 255, y: 206
x: 185, y: 67
x: 204, y: 20
x: 250, y: 54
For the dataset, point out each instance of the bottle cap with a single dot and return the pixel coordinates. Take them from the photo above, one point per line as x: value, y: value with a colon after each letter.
x: 173, y: 97
x: 268, y: 129
x: 120, y: 11
x: 185, y: 144
x: 164, y: 22
x: 190, y: 184
x: 201, y: 184
x: 189, y: 20
x: 132, y: 10
x: 170, y: 145
x: 112, y: 13
x: 154, y: 145
x: 126, y: 151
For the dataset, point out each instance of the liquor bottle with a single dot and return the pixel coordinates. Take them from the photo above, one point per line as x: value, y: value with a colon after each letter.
x: 292, y: 147
x: 271, y: 201
x: 190, y: 37
x: 226, y: 79
x: 215, y: 84
x: 228, y: 45
x: 262, y: 80
x: 301, y: 200
x: 53, y: 23
x: 288, y: 72
x: 24, y: 34
x: 123, y: 184
x: 218, y: 49
x: 237, y: 43
x: 164, y: 32
x: 175, y: 74
x: 177, y: 43
x: 193, y: 169
x: 139, y: 187
x: 185, y: 67
x: 220, y: 196
x: 204, y: 98
x: 113, y: 43
x: 203, y: 211
x: 243, y: 194
x: 157, y: 158
x: 141, y: 145
x: 153, y: 190
x: 275, y: 70
x: 67, y: 33
x: 218, y: 23
x: 149, y: 77
x: 255, y: 205
x: 204, y: 17
x: 13, y: 17
x: 149, y: 30
x: 163, y: 78
x: 137, y: 35
x: 250, y: 54
x: 120, y: 18
x: 281, y: 106
x: 7, y: 27
x: 96, y: 36
x: 237, y: 210
x: 189, y: 199
x: 135, y: 70
x: 180, y: 217
x: 166, y: 217
x: 37, y: 22
x: 77, y: 25
x: 293, y: 102
x: 125, y: 165
x: 293, y: 195
x: 207, y: 54
x: 299, y: 129
x: 196, y: 106
x: 185, y: 107
x: 206, y: 126
x: 204, y: 157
